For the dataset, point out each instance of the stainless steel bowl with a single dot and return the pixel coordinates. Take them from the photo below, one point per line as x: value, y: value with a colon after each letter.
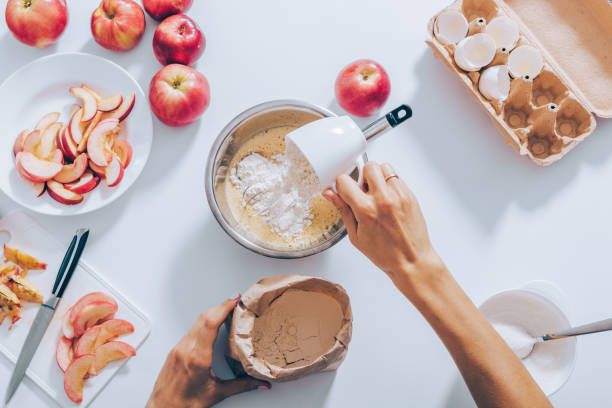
x: 232, y: 137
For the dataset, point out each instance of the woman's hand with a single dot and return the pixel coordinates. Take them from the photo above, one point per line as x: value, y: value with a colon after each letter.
x: 187, y: 379
x: 384, y: 222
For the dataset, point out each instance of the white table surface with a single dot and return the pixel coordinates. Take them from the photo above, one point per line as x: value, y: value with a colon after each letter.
x: 497, y: 220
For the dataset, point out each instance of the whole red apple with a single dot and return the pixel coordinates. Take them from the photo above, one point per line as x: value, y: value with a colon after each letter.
x: 362, y: 88
x: 36, y: 22
x: 160, y: 9
x: 118, y: 24
x: 178, y: 94
x: 178, y: 39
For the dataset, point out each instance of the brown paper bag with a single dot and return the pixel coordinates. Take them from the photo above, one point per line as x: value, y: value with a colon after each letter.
x: 241, y: 353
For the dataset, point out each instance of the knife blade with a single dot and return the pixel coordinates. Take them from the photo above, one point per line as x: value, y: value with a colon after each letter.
x: 46, y: 311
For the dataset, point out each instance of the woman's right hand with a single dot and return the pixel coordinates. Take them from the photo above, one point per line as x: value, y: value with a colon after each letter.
x: 385, y: 223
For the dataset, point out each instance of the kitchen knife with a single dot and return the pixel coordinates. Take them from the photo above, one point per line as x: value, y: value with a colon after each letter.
x: 46, y: 311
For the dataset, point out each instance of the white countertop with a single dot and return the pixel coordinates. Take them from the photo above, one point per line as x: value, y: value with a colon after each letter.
x: 497, y: 219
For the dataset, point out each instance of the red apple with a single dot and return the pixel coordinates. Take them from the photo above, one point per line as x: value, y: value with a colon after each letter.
x: 118, y: 24
x: 38, y: 23
x: 111, y: 351
x: 19, y: 141
x: 122, y: 112
x: 91, y: 314
x: 178, y: 40
x: 178, y: 95
x: 74, y: 171
x: 160, y: 9
x: 85, y: 184
x: 362, y: 88
x: 61, y: 195
x: 34, y: 169
x: 114, y: 172
x: 123, y: 149
x: 64, y: 353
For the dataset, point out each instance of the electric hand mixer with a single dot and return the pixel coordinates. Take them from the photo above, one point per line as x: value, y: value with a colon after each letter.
x: 333, y: 145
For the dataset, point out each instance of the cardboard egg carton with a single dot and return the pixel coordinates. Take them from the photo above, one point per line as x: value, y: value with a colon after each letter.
x: 546, y: 117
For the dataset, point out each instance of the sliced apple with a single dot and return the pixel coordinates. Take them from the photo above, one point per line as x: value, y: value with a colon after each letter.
x: 123, y: 149
x: 90, y: 106
x: 111, y: 351
x: 76, y: 128
x: 86, y: 343
x: 124, y: 109
x: 62, y: 195
x: 92, y: 92
x: 67, y: 145
x: 74, y: 108
x: 34, y: 169
x: 75, y: 375
x: 64, y: 353
x: 114, y: 172
x: 39, y: 188
x: 87, y: 300
x: 19, y: 141
x: 111, y: 103
x: 67, y: 328
x: 47, y: 120
x: 74, y: 171
x: 32, y: 141
x: 99, y: 171
x: 48, y: 141
x: 92, y: 125
x: 111, y: 329
x: 97, y: 145
x: 92, y: 314
x: 57, y: 156
x: 85, y: 184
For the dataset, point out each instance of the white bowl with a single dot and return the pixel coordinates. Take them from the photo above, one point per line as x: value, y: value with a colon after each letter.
x: 41, y: 87
x: 539, y: 308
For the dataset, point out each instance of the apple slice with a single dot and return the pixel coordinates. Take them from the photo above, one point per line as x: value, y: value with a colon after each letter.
x: 32, y: 141
x: 123, y: 149
x: 90, y: 106
x: 64, y: 353
x: 76, y: 128
x: 92, y: 92
x: 75, y: 375
x: 19, y: 141
x: 62, y: 195
x: 124, y: 109
x: 92, y: 125
x: 114, y: 172
x: 57, y: 156
x: 79, y: 305
x: 86, y: 343
x: 85, y: 184
x: 111, y: 103
x: 111, y: 351
x: 92, y: 314
x: 47, y: 120
x: 39, y: 188
x: 111, y: 329
x: 74, y: 171
x: 67, y: 145
x: 48, y: 141
x: 97, y: 146
x: 99, y: 171
x: 74, y: 108
x: 67, y: 329
x: 34, y: 169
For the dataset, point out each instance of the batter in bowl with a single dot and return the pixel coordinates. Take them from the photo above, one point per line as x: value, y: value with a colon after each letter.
x: 274, y: 194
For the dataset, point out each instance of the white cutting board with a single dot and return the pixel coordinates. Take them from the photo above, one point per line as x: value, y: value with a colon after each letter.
x: 28, y: 236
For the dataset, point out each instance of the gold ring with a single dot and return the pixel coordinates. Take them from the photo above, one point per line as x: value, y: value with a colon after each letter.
x: 390, y: 177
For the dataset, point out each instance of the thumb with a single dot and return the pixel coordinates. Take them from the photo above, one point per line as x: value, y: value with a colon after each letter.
x: 227, y: 388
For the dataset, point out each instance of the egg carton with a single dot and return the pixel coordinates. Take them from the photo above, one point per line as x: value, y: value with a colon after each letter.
x: 544, y: 117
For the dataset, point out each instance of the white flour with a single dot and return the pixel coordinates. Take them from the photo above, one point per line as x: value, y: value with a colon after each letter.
x: 280, y: 189
x: 517, y: 338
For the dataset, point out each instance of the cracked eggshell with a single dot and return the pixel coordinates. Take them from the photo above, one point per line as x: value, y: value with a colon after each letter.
x: 450, y: 27
x: 494, y: 83
x: 504, y: 31
x: 525, y: 61
x: 475, y: 52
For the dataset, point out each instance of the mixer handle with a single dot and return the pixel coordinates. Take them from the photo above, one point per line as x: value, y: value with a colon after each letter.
x: 390, y: 120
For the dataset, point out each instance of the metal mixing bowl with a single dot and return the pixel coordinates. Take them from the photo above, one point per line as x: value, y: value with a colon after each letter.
x: 242, y: 128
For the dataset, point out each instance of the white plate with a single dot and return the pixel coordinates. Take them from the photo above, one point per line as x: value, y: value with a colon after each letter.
x: 42, y: 87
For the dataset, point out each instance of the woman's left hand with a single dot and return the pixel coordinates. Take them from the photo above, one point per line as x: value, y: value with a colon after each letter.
x: 187, y: 379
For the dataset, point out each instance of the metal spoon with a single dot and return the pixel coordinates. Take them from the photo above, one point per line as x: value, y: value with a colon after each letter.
x: 596, y: 327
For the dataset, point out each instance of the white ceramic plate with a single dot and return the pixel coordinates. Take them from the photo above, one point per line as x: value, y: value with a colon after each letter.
x: 42, y: 87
